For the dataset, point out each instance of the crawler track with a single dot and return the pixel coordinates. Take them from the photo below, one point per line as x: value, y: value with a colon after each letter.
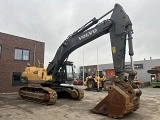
x: 38, y: 94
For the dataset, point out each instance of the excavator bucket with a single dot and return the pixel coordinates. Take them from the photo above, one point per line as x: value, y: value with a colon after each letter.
x: 121, y: 99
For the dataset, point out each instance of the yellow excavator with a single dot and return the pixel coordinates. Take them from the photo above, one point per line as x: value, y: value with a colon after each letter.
x: 123, y: 95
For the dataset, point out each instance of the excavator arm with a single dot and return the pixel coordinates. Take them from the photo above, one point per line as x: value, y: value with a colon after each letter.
x: 119, y: 25
x: 74, y: 42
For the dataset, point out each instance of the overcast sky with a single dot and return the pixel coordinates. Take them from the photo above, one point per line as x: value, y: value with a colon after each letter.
x: 51, y: 21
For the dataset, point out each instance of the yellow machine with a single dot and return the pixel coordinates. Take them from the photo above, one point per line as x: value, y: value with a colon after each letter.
x: 97, y: 81
x: 123, y: 95
x: 35, y: 75
x: 41, y: 87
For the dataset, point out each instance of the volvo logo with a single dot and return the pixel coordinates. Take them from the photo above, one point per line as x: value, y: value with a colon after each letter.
x: 88, y: 34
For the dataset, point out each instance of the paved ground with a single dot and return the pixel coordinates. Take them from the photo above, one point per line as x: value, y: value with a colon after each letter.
x: 13, y: 108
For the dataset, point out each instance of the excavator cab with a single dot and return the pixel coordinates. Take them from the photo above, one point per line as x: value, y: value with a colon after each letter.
x: 66, y: 73
x: 99, y: 73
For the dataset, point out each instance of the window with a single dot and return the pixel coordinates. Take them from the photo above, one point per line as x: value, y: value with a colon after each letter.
x: 16, y: 79
x: 136, y: 66
x: 0, y: 50
x: 69, y: 71
x: 25, y: 54
x: 89, y: 69
x: 81, y: 70
x: 21, y: 54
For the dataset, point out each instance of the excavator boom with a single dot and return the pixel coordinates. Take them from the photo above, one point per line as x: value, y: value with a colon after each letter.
x: 118, y: 27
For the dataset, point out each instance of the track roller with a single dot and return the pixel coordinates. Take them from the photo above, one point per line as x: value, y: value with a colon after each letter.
x: 77, y: 93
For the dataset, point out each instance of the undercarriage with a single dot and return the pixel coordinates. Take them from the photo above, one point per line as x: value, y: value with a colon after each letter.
x: 48, y: 93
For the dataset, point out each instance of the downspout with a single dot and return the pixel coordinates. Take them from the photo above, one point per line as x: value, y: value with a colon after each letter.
x: 34, y: 55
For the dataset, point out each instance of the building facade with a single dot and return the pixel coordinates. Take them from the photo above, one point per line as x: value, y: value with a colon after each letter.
x: 15, y: 54
x: 140, y: 67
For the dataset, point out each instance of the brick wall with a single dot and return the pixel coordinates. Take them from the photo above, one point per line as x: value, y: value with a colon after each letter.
x: 8, y: 64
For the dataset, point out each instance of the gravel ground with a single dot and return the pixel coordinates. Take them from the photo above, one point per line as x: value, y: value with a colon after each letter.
x: 13, y: 108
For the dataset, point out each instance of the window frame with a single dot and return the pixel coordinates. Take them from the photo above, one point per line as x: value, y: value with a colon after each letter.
x: 22, y: 55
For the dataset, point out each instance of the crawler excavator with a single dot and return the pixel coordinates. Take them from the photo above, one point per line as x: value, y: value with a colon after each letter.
x: 123, y: 95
